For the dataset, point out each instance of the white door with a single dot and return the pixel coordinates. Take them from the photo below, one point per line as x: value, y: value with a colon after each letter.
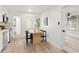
x: 17, y: 25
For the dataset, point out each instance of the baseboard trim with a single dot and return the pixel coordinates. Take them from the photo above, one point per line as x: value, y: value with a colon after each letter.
x: 73, y: 35
x: 69, y: 50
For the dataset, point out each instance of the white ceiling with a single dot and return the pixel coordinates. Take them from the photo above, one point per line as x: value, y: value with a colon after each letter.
x: 34, y: 8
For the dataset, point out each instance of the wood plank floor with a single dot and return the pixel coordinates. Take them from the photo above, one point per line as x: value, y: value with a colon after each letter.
x: 72, y: 43
x: 19, y: 46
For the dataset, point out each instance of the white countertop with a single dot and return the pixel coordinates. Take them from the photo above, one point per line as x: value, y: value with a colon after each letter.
x: 4, y: 30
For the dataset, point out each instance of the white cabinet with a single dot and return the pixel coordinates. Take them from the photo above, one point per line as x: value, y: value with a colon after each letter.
x: 4, y: 37
x: 1, y: 41
x: 11, y: 34
x: 8, y: 38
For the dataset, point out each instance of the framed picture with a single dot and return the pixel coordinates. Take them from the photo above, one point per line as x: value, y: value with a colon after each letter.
x: 46, y: 21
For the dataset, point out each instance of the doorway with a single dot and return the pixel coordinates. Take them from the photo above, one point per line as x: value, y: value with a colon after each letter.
x: 17, y: 25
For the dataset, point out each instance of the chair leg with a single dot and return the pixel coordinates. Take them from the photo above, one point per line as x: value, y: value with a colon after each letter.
x: 27, y: 41
x: 31, y: 38
x: 31, y: 41
x: 45, y: 39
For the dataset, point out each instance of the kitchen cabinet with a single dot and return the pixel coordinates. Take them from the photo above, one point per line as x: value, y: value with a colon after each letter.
x: 11, y: 35
x: 1, y: 40
x: 4, y: 37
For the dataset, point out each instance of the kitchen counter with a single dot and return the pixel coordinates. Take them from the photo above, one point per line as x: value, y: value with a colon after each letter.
x: 3, y: 30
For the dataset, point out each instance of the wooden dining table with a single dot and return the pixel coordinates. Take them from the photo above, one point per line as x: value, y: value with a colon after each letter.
x: 36, y: 36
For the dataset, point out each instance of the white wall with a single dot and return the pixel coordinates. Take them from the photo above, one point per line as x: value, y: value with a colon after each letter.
x: 2, y: 12
x: 11, y: 14
x: 27, y: 22
x: 54, y: 31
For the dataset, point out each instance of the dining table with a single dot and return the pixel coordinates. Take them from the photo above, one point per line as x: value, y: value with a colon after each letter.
x: 36, y: 37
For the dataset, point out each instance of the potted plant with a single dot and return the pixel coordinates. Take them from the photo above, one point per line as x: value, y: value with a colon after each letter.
x: 38, y: 24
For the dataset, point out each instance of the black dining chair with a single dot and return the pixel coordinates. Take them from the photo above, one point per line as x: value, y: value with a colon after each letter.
x: 43, y: 35
x: 28, y: 36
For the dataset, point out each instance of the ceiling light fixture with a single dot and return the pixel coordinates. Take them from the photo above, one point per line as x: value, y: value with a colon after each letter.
x: 29, y: 10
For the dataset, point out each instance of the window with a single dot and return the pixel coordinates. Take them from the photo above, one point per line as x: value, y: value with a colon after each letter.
x: 72, y: 23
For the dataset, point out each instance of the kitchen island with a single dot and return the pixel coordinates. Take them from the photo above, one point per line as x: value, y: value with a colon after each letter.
x: 4, y: 37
